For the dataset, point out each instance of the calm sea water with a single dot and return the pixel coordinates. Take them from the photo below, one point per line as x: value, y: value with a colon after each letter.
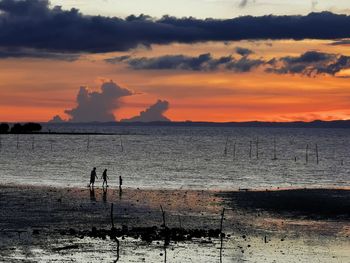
x: 180, y: 157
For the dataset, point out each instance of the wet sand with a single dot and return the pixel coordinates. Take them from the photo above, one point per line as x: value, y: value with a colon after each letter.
x: 260, y: 226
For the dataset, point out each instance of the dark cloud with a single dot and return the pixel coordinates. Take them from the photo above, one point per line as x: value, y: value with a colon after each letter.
x: 244, y: 64
x: 154, y: 113
x: 203, y: 62
x: 33, y: 24
x: 341, y: 42
x: 33, y: 53
x: 243, y: 51
x: 97, y: 106
x: 310, y: 63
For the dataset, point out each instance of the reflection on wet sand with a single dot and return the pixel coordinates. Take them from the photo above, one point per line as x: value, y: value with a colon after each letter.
x: 251, y: 234
x: 92, y: 194
x: 104, y: 194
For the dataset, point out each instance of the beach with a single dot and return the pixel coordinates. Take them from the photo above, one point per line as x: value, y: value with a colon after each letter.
x: 52, y: 224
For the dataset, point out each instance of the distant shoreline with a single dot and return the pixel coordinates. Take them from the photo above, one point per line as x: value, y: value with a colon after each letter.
x: 253, y: 124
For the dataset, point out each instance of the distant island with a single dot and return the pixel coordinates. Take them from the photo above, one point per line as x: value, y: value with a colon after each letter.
x: 19, y: 128
x: 296, y: 124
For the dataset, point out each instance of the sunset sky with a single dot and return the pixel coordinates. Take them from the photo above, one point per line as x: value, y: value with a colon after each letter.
x: 291, y: 65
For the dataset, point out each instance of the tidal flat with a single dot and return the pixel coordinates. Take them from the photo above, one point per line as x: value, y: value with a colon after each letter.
x: 51, y: 224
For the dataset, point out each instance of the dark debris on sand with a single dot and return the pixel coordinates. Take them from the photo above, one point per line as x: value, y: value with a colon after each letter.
x: 147, y: 234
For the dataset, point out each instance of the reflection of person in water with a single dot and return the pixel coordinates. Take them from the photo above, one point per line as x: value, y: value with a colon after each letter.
x: 104, y: 195
x: 93, y: 175
x: 92, y: 194
x: 104, y: 177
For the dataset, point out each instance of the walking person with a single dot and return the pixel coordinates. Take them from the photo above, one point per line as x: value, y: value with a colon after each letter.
x: 93, y: 176
x: 105, y: 177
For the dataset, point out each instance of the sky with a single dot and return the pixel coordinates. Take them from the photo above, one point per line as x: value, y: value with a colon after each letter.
x: 198, y: 60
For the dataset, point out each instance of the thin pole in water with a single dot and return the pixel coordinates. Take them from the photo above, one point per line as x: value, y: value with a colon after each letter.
x: 317, y: 161
x: 17, y: 137
x: 250, y: 150
x: 33, y: 143
x: 225, y: 150
x: 234, y: 151
x: 274, y: 149
x: 307, y: 153
x: 257, y: 147
x: 121, y: 144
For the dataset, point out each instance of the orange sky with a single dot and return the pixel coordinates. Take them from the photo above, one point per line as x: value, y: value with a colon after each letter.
x: 37, y: 89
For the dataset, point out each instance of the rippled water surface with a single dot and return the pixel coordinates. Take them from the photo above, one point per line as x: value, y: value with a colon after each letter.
x: 180, y: 157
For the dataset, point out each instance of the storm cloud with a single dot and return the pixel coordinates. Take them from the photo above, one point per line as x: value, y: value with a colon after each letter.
x: 154, y: 113
x: 97, y: 106
x: 34, y: 24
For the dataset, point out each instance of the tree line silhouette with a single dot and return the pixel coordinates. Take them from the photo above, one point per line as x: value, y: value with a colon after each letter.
x: 29, y: 127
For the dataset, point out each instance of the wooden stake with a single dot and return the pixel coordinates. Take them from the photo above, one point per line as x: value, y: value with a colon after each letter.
x: 250, y: 150
x: 112, y: 221
x: 234, y: 151
x: 226, y: 143
x: 274, y: 149
x: 257, y: 147
x: 221, y: 234
x: 317, y: 154
x: 163, y: 215
x: 121, y: 144
x: 180, y: 221
x: 307, y: 153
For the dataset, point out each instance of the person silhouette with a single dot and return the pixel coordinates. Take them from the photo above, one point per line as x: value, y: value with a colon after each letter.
x: 93, y: 175
x: 104, y: 177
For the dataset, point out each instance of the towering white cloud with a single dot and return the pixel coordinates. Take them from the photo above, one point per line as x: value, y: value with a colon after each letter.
x: 97, y: 106
x: 154, y: 113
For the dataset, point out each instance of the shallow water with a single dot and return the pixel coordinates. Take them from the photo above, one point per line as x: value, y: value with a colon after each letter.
x: 180, y: 157
x: 235, y: 249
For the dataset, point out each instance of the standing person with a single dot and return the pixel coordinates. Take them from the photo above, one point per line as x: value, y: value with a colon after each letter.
x: 104, y: 177
x: 92, y: 177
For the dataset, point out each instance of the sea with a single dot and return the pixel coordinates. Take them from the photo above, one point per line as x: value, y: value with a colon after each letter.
x: 167, y: 157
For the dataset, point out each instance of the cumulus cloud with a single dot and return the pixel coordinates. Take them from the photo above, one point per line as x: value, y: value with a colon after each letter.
x: 56, y: 119
x: 154, y: 113
x: 202, y: 62
x: 33, y: 24
x: 97, y: 106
